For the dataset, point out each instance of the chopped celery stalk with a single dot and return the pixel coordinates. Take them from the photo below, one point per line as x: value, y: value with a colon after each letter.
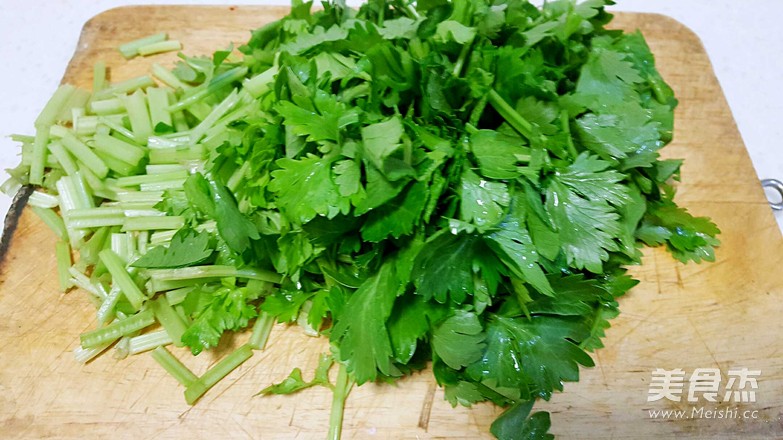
x: 175, y: 297
x: 159, y: 47
x: 122, y: 347
x: 117, y: 329
x: 139, y: 116
x: 85, y: 125
x: 154, y: 178
x: 141, y: 242
x: 81, y: 281
x: 217, y: 83
x: 124, y: 87
x: 173, y: 366
x: 77, y: 100
x: 161, y: 237
x: 121, y: 168
x: 131, y: 48
x: 81, y: 191
x: 260, y: 83
x: 106, y: 310
x: 122, y: 278
x: 115, y: 125
x: 109, y: 106
x: 237, y: 176
x: 63, y: 157
x: 166, y: 285
x: 84, y: 355
x: 221, y: 109
x: 261, y: 330
x: 158, y: 100
x: 143, y: 210
x: 147, y: 342
x: 197, y: 272
x: 180, y: 122
x: 122, y: 245
x: 228, y: 364
x: 121, y: 150
x: 85, y: 155
x: 38, y: 159
x: 199, y: 110
x: 165, y: 168
x: 42, y: 200
x: 55, y: 105
x: 24, y: 139
x: 177, y: 155
x: 151, y: 197
x: 95, y: 218
x: 152, y: 223
x: 169, y: 319
x: 162, y: 186
x: 53, y: 221
x: 98, y: 76
x: 63, y: 253
x: 168, y: 78
x: 89, y: 253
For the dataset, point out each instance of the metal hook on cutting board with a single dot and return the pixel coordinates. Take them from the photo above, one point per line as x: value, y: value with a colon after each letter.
x: 777, y: 186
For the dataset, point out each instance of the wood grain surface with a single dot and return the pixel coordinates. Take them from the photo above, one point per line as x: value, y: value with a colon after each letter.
x: 723, y: 315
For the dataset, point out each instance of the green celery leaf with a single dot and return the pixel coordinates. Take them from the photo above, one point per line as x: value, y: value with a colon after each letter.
x: 187, y: 248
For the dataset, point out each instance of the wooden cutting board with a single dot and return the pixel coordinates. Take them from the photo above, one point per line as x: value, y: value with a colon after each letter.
x: 722, y: 315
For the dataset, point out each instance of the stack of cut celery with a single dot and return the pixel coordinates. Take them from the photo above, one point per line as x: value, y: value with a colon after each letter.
x: 102, y: 161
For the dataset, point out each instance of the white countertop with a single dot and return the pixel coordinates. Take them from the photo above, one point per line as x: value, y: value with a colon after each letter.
x: 743, y: 39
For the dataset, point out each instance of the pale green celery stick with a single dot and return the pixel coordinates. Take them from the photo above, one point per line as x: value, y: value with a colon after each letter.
x: 81, y: 281
x: 83, y: 194
x: 237, y: 177
x: 124, y: 87
x: 197, y: 272
x: 131, y: 48
x: 118, y: 329
x: 89, y: 252
x: 168, y: 78
x: 158, y: 100
x: 177, y: 155
x: 106, y: 310
x: 154, y: 178
x: 162, y: 186
x: 142, y: 240
x: 23, y: 139
x: 84, y: 154
x: 165, y: 168
x: 160, y: 47
x: 261, y: 330
x: 84, y: 355
x: 142, y: 211
x: 175, y: 297
x: 124, y: 151
x: 147, y: 342
x: 139, y: 116
x: 95, y: 217
x: 199, y: 110
x: 169, y: 319
x: 217, y: 112
x: 42, y: 200
x: 98, y: 76
x: 342, y: 387
x: 121, y: 244
x: 63, y: 253
x: 93, y: 182
x: 174, y: 140
x: 301, y: 319
x: 122, y: 278
x: 261, y: 83
x: 109, y: 106
x: 53, y: 221
x: 53, y: 108
x: 197, y: 94
x: 151, y: 197
x: 115, y: 126
x: 120, y: 167
x: 166, y: 285
x: 85, y: 125
x: 161, y: 237
x: 180, y: 121
x: 196, y: 389
x: 153, y: 223
x: 173, y: 366
x: 77, y: 100
x: 11, y: 187
x: 38, y: 157
x: 122, y: 347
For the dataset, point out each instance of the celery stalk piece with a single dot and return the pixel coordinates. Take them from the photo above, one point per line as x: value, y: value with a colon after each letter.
x: 162, y: 186
x: 84, y: 355
x: 146, y: 342
x: 199, y: 110
x: 342, y: 387
x: 53, y: 221
x: 152, y: 223
x: 158, y: 100
x: 122, y: 278
x: 78, y: 100
x: 196, y: 95
x: 85, y: 155
x: 131, y: 48
x: 127, y: 86
x: 141, y: 242
x: 109, y: 106
x: 139, y: 116
x: 98, y: 76
x: 169, y: 319
x: 168, y: 78
x: 116, y: 126
x: 166, y: 285
x: 118, y: 149
x: 95, y: 217
x: 152, y: 178
x: 198, y: 272
x: 52, y: 109
x: 120, y: 168
x: 38, y: 157
x: 159, y: 47
x: 121, y: 245
x: 228, y: 364
x: 221, y: 109
x: 89, y: 252
x: 180, y: 121
x: 173, y: 366
x: 42, y: 200
x: 174, y: 297
x: 142, y: 211
x: 261, y: 83
x: 81, y: 281
x: 150, y: 197
x: 165, y: 168
x: 85, y: 125
x: 106, y: 310
x: 177, y: 155
x: 261, y: 330
x: 64, y: 157
x: 46, y: 118
x: 63, y: 252
x: 117, y: 329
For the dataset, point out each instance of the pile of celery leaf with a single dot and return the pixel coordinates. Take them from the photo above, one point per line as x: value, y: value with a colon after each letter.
x: 446, y: 184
